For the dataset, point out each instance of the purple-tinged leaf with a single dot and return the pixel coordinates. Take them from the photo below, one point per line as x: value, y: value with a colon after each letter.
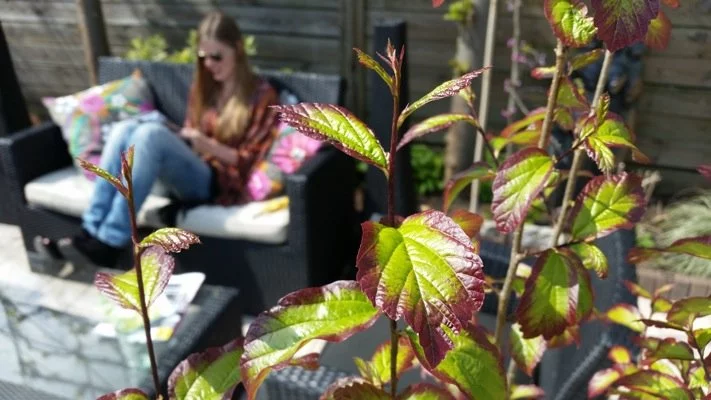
x: 530, y: 119
x: 520, y: 179
x: 125, y: 394
x: 425, y: 391
x: 569, y: 337
x: 172, y: 240
x: 426, y: 271
x: 592, y: 258
x: 583, y: 60
x: 471, y: 225
x: 672, y: 349
x: 572, y: 96
x: 543, y: 72
x: 699, y: 246
x: 368, y: 62
x: 337, y: 126
x: 601, y: 381
x: 473, y: 364
x: 127, y: 164
x: 637, y: 290
x: 353, y: 388
x: 446, y: 89
x: 523, y: 392
x: 558, y: 295
x: 621, y: 23
x: 104, y: 175
x: 626, y: 315
x: 705, y: 170
x: 662, y: 324
x: 656, y: 384
x: 526, y: 352
x: 570, y: 22
x: 659, y: 32
x: 686, y: 310
x: 619, y: 355
x: 606, y: 204
x: 434, y: 124
x: 479, y: 170
x: 211, y: 374
x: 333, y: 312
x: 156, y: 268
x: 600, y: 140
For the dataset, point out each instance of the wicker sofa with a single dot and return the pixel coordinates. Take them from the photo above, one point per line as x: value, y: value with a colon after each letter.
x: 265, y: 256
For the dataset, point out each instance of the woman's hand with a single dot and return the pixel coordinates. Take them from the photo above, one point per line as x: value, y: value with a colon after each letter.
x: 197, y: 139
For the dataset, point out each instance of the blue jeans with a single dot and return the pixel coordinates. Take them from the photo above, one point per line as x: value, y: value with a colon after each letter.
x: 159, y: 154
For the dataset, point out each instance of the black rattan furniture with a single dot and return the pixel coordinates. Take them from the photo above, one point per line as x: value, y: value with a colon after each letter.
x: 322, y: 218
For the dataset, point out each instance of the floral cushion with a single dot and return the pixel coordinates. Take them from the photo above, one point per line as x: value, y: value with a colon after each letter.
x: 289, y: 151
x: 86, y: 117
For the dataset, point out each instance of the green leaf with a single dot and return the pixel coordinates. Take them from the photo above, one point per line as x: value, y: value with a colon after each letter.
x: 522, y: 138
x: 686, y: 310
x: 698, y: 379
x: 125, y: 394
x: 637, y: 290
x: 570, y: 22
x: 471, y: 224
x: 661, y: 304
x: 699, y: 246
x: 379, y: 364
x: 521, y: 392
x: 337, y: 126
x: 156, y: 269
x: 434, y: 124
x: 656, y: 384
x: 519, y: 180
x: 601, y: 381
x: 529, y: 120
x: 446, y: 89
x: 601, y: 110
x: 425, y: 391
x: 606, y: 204
x: 474, y: 364
x: 565, y: 339
x: 352, y: 388
x: 599, y: 141
x: 571, y: 96
x: 662, y: 324
x: 425, y: 271
x: 564, y: 118
x: 583, y: 60
x: 104, y: 175
x: 702, y: 337
x: 371, y: 64
x: 626, y: 315
x: 558, y: 295
x: 526, y: 352
x: 543, y: 72
x: 592, y: 258
x: 621, y: 23
x: 667, y: 367
x: 211, y: 374
x: 127, y: 163
x: 658, y: 32
x: 673, y: 350
x: 172, y: 240
x: 479, y: 170
x: 333, y: 312
x: 619, y: 355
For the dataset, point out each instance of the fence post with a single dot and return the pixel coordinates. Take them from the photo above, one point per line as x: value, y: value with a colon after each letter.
x: 90, y: 19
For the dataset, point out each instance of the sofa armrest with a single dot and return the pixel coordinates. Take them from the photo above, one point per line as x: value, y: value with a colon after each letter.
x: 29, y: 154
x: 321, y: 211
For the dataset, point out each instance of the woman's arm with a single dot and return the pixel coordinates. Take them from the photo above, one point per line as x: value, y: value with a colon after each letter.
x: 210, y: 147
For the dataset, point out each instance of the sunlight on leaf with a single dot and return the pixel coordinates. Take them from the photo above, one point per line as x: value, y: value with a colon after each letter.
x: 333, y: 312
x: 460, y: 180
x: 526, y: 352
x: 697, y: 246
x: 522, y: 392
x: 619, y: 355
x: 519, y: 180
x: 656, y: 384
x: 592, y: 258
x: 104, y: 175
x: 621, y: 23
x: 373, y: 65
x: 426, y: 271
x: 557, y: 296
x: 337, y: 126
x: 600, y: 140
x: 685, y: 311
x: 125, y: 394
x: 607, y: 204
x: 172, y: 240
x: 570, y: 22
x: 601, y: 381
x: 156, y: 267
x: 626, y: 315
x: 434, y: 124
x: 659, y: 32
x: 702, y: 337
x: 211, y: 374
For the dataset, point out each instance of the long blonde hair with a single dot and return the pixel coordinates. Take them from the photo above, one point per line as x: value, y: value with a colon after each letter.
x: 235, y: 114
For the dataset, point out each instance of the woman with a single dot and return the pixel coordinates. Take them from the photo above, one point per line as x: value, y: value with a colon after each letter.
x: 228, y: 128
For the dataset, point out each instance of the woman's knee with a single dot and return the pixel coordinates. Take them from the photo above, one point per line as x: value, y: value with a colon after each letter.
x: 149, y: 134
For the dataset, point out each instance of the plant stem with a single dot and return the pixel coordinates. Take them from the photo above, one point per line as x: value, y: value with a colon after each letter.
x: 504, y: 297
x: 139, y: 278
x: 578, y: 155
x: 514, y: 78
x: 393, y: 358
x: 488, y: 145
x: 701, y: 355
x: 553, y: 95
x: 511, y: 373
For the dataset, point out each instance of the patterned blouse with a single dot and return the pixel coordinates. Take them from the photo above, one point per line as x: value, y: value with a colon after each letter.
x: 251, y: 147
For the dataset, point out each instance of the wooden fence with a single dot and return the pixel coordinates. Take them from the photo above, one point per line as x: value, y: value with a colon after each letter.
x: 674, y: 113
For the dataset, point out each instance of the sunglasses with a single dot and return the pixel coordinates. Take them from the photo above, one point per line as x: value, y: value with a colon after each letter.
x: 216, y: 57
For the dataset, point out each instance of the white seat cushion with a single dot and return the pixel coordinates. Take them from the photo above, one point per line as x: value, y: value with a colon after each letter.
x: 68, y: 192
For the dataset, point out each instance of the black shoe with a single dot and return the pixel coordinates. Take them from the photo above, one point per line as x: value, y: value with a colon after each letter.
x: 47, y: 248
x: 88, y: 251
